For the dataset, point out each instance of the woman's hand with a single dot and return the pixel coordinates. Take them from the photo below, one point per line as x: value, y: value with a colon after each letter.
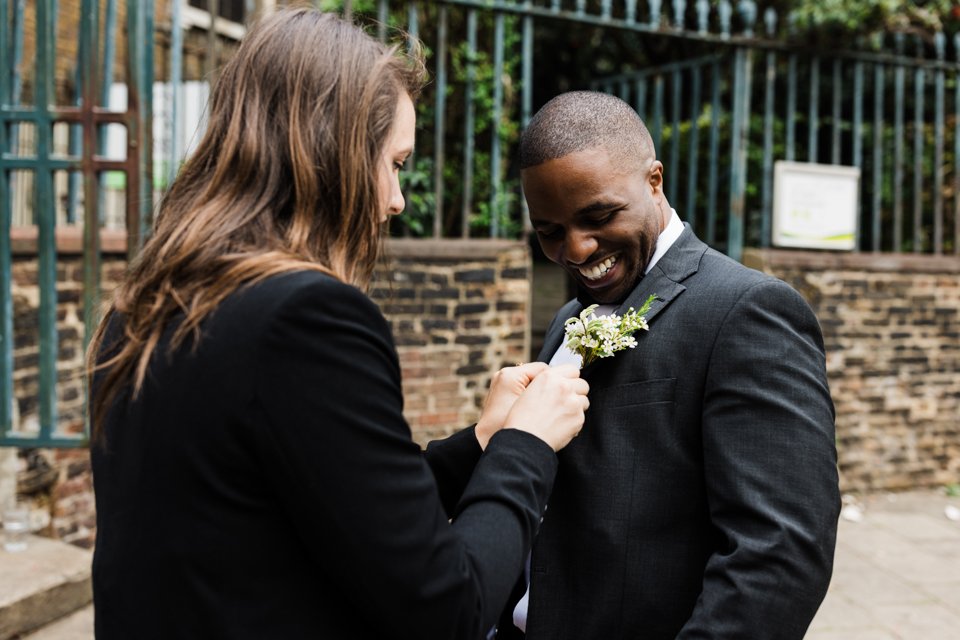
x: 505, y: 387
x: 552, y: 406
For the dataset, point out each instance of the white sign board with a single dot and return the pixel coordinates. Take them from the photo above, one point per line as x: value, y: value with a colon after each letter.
x: 815, y: 205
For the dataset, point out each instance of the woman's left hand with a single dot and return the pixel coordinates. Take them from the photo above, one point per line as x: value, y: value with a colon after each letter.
x: 505, y: 387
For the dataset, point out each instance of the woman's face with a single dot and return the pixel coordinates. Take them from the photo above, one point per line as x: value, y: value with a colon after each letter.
x: 399, y: 146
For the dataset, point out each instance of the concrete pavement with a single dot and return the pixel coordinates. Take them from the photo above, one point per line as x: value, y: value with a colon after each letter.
x: 896, y: 577
x: 897, y: 572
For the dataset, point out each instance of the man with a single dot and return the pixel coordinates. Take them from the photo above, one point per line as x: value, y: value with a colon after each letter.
x: 701, y: 498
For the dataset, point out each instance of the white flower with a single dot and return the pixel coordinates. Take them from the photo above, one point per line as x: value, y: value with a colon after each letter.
x: 602, y: 336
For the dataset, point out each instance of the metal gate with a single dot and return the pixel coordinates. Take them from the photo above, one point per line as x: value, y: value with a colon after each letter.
x: 37, y: 115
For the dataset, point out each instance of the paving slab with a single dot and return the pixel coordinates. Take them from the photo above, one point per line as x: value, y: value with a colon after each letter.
x: 76, y: 626
x: 896, y: 576
x: 896, y: 573
x: 44, y: 582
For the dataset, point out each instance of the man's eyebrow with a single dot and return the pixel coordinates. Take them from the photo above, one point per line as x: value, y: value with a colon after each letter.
x: 598, y: 206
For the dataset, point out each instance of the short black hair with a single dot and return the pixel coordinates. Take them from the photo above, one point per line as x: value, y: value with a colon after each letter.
x: 581, y: 120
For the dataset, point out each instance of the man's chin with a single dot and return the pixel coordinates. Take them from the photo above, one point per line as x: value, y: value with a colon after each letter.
x: 611, y: 294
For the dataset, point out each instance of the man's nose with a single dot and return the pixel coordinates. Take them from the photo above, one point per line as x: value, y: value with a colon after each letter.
x: 578, y: 247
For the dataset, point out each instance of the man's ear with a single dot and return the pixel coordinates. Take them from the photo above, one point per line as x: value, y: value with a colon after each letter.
x: 655, y: 176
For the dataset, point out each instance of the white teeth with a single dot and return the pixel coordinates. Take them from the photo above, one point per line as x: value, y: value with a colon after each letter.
x: 599, y: 270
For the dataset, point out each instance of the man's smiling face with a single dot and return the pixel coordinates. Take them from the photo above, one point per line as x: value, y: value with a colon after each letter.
x: 598, y: 221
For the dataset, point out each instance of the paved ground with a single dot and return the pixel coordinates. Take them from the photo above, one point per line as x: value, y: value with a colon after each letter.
x: 897, y: 572
x: 897, y: 575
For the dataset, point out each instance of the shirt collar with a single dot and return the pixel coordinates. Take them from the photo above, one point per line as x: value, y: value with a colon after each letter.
x: 666, y: 239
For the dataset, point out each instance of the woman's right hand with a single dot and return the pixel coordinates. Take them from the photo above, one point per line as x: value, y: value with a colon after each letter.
x: 552, y: 406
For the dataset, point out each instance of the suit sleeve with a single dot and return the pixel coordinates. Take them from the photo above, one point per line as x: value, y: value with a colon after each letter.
x: 452, y: 461
x: 329, y: 391
x: 770, y: 471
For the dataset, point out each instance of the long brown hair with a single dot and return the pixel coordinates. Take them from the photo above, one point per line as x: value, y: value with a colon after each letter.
x: 284, y: 179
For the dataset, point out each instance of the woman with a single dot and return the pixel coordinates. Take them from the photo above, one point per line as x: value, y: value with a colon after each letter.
x: 254, y: 474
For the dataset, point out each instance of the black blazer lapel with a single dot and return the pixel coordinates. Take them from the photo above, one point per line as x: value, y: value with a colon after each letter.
x: 679, y: 262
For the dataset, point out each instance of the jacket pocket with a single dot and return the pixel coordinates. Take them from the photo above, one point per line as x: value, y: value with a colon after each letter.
x: 644, y: 392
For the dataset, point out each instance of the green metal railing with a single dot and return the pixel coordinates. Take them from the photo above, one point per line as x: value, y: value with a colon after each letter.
x: 721, y: 112
x: 87, y: 118
x: 896, y: 215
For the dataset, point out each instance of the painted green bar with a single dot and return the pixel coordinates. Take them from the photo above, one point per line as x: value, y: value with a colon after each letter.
x: 413, y: 29
x: 383, y: 18
x: 89, y: 25
x: 858, y: 136
x: 438, y: 122
x: 498, y: 54
x: 145, y: 7
x: 176, y: 79
x: 640, y: 103
x: 46, y: 221
x: 527, y: 71
x: 956, y: 150
x: 938, y: 131
x: 813, y: 119
x: 469, y: 125
x: 858, y: 114
x: 134, y: 131
x: 6, y: 299
x: 690, y: 206
x: 877, y: 153
x: 766, y: 213
x: 738, y: 152
x: 837, y: 97
x: 657, y: 113
x: 673, y: 183
x: 18, y: 36
x: 713, y: 183
x: 526, y: 58
x: 790, y: 151
x: 899, y: 81
x: 75, y: 142
x: 919, y: 84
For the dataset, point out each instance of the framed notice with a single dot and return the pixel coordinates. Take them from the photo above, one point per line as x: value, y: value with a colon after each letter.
x: 815, y: 205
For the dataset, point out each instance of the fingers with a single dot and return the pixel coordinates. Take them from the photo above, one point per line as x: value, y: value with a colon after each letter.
x: 566, y: 370
x: 531, y: 369
x: 523, y: 373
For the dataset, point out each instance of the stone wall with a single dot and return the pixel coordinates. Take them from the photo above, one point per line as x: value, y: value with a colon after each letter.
x: 458, y: 310
x: 891, y: 327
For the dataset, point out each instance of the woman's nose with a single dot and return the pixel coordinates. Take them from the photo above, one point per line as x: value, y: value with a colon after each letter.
x: 396, y: 203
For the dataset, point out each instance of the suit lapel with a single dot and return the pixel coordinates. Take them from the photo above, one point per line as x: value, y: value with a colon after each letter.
x: 665, y: 278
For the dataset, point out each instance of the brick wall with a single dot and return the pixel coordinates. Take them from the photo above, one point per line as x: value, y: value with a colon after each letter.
x: 891, y: 327
x: 458, y: 309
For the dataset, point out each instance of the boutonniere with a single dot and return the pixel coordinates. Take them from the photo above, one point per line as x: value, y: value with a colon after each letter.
x: 603, y: 336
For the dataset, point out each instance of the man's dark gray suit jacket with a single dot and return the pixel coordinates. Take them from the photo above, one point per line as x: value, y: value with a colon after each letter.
x: 701, y: 498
